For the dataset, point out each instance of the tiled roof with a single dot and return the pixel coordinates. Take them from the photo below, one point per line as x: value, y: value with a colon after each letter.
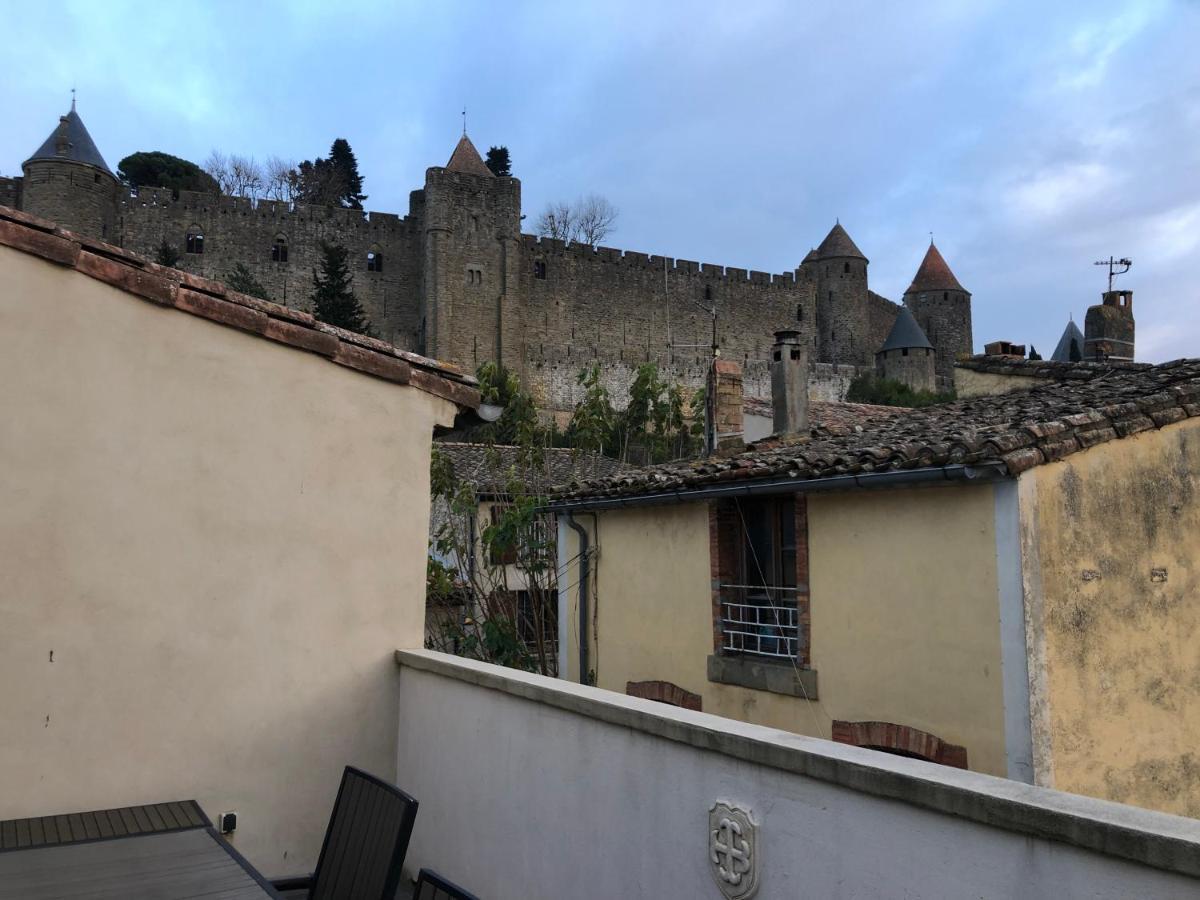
x: 213, y: 301
x: 837, y: 243
x: 488, y: 467
x: 823, y: 415
x: 79, y: 144
x: 466, y: 158
x: 1050, y: 369
x: 1018, y: 430
x: 934, y: 274
x: 905, y: 333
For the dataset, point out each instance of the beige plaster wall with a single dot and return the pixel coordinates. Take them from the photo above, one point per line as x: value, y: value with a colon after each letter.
x: 1116, y: 671
x: 969, y: 383
x: 212, y: 546
x: 905, y: 620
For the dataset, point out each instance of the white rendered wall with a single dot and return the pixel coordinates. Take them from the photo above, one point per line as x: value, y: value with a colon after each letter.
x: 545, y: 789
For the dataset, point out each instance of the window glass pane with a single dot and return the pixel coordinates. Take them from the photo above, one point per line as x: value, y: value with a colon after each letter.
x: 787, y: 543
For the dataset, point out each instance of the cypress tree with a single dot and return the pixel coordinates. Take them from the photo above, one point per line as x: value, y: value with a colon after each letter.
x: 333, y: 301
x: 341, y: 157
x: 242, y: 279
x: 166, y: 254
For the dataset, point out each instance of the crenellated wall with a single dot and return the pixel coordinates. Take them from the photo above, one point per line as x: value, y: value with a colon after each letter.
x: 238, y: 230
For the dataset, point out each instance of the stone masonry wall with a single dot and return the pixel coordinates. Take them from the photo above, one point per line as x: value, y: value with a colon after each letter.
x: 78, y: 197
x: 625, y: 308
x: 945, y: 317
x: 10, y: 192
x: 237, y: 230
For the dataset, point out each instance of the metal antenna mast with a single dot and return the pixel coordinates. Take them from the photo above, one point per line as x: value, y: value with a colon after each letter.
x: 1112, y: 263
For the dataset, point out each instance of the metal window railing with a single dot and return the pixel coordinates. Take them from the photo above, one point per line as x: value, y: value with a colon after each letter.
x: 759, y: 621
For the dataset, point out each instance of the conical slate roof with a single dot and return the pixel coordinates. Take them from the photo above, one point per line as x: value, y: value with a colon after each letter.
x: 466, y: 158
x: 905, y: 333
x: 1062, y: 352
x: 934, y: 274
x: 809, y: 257
x: 79, y: 146
x: 837, y: 243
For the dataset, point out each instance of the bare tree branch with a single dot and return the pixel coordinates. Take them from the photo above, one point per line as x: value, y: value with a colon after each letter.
x: 594, y: 219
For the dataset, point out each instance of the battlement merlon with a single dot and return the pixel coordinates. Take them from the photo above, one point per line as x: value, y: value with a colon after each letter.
x: 545, y: 246
x: 143, y: 197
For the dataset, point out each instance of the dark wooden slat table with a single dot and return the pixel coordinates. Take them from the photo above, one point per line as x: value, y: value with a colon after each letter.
x: 161, y: 852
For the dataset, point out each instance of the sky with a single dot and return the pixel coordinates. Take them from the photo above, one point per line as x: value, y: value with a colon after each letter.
x: 1031, y: 139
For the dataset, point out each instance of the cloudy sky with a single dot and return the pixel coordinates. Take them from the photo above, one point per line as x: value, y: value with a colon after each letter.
x: 1030, y: 138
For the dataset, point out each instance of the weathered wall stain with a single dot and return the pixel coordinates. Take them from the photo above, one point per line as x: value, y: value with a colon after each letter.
x: 1118, y: 534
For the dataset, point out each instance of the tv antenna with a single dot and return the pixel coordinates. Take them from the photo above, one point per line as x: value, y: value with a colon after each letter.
x: 1112, y: 264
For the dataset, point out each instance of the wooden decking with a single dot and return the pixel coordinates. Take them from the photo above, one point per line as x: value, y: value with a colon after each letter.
x: 101, y: 823
x: 170, y: 865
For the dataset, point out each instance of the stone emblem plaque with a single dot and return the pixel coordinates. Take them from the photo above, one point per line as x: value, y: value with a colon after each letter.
x: 733, y: 850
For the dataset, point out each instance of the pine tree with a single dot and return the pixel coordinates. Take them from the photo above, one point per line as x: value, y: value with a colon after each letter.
x: 341, y: 157
x: 498, y: 161
x: 333, y: 301
x: 240, y: 279
x: 166, y: 254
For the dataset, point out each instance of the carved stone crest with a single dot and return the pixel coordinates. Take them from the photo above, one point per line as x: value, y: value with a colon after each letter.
x: 733, y: 850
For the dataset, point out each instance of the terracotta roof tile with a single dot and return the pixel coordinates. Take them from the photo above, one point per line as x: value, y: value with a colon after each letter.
x: 934, y: 274
x: 213, y: 301
x: 1049, y: 369
x: 1020, y: 430
x: 466, y: 158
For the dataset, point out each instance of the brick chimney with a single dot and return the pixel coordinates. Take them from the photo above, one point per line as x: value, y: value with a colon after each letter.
x: 723, y: 413
x: 789, y: 383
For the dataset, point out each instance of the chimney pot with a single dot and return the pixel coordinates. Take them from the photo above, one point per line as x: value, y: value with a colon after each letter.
x: 789, y: 383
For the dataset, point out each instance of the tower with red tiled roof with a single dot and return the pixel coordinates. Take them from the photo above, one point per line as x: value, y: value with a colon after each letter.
x: 470, y: 296
x: 843, y: 314
x: 942, y: 307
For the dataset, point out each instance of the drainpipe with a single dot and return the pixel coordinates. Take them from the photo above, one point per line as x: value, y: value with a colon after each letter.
x: 583, y: 597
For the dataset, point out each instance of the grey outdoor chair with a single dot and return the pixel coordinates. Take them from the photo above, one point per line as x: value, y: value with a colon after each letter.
x: 432, y: 886
x: 365, y: 842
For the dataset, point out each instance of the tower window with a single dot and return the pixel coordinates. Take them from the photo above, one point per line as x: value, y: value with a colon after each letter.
x: 904, y: 351
x: 539, y: 269
x: 96, y: 177
x: 708, y: 292
x: 279, y: 250
x: 374, y: 261
x: 195, y: 240
x: 945, y: 295
x: 846, y: 268
x: 800, y: 313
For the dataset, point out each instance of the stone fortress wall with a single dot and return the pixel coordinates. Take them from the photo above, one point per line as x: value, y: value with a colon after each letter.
x: 455, y: 279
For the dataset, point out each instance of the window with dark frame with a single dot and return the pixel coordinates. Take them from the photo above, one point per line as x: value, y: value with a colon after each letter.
x: 760, y: 584
x: 539, y: 269
x: 374, y: 261
x: 279, y: 250
x: 194, y: 242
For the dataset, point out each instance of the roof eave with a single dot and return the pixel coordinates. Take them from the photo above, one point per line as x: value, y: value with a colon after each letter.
x: 976, y: 474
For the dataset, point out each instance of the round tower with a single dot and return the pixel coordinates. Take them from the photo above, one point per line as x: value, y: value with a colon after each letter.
x: 942, y: 307
x: 1108, y: 328
x: 843, y: 323
x: 68, y: 181
x: 907, y: 355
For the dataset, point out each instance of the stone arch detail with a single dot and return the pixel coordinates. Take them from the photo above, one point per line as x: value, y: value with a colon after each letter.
x: 663, y: 692
x: 900, y: 739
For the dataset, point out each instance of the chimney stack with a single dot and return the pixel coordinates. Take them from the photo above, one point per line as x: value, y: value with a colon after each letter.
x: 723, y: 413
x: 789, y: 383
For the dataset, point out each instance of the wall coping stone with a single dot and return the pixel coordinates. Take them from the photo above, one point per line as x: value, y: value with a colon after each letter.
x: 1159, y: 840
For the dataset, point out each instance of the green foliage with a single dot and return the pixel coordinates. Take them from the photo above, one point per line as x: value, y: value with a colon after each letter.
x: 498, y: 161
x: 157, y: 169
x: 167, y: 254
x: 890, y: 392
x: 333, y: 300
x: 518, y: 424
x: 652, y: 428
x: 333, y: 181
x: 240, y: 279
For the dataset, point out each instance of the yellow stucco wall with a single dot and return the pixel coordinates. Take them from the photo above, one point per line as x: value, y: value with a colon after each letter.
x: 212, y: 546
x: 1116, y: 673
x: 969, y: 383
x: 905, y: 620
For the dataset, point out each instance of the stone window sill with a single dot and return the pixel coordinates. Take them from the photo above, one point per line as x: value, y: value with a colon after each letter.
x: 763, y: 675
